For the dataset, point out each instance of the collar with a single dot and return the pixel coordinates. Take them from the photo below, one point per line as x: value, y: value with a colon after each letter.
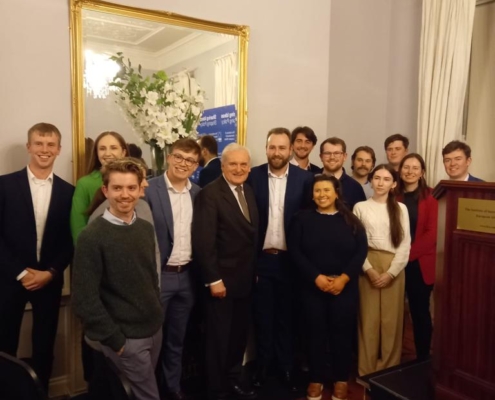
x: 214, y: 158
x: 272, y: 175
x: 33, y: 178
x: 293, y: 161
x: 232, y: 187
x: 171, y: 187
x: 116, y: 220
x: 327, y: 213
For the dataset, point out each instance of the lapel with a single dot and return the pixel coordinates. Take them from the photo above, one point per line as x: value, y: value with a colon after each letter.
x: 26, y: 192
x: 230, y: 198
x: 162, y: 194
x: 265, y: 190
x: 290, y: 189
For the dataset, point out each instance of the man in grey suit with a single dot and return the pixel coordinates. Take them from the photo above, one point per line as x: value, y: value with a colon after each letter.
x: 170, y: 197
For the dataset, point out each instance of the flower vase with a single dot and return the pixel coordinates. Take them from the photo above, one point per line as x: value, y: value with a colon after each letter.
x: 159, y: 158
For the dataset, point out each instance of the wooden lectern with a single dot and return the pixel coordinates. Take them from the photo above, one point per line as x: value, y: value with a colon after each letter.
x: 464, y: 333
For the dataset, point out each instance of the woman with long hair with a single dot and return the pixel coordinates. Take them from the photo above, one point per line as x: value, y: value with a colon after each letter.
x: 381, y: 287
x: 420, y: 270
x: 328, y: 246
x: 108, y: 146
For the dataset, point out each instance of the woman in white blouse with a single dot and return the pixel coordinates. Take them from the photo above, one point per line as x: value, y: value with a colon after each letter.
x: 381, y: 287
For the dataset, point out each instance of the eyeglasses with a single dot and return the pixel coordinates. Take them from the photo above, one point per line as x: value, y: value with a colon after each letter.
x: 336, y: 154
x: 189, y: 161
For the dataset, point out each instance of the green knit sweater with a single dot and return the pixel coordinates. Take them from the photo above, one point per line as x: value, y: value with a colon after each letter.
x: 115, y: 283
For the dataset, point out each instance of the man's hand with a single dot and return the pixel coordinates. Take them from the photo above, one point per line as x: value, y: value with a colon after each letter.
x: 338, y: 283
x: 218, y: 290
x: 384, y: 280
x: 323, y: 283
x: 373, y: 276
x: 35, y: 280
x: 121, y: 351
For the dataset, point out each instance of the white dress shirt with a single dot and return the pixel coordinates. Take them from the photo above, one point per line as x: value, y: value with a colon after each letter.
x: 275, y: 232
x: 182, y: 211
x: 116, y: 220
x: 41, y: 194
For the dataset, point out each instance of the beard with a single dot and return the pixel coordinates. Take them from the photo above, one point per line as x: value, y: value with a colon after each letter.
x: 362, y: 172
x: 278, y: 162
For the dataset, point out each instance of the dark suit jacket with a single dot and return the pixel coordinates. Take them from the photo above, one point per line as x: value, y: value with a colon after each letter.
x: 159, y: 200
x: 472, y: 178
x: 352, y: 190
x: 298, y: 195
x: 224, y: 241
x: 18, y: 227
x: 315, y: 169
x: 211, y: 172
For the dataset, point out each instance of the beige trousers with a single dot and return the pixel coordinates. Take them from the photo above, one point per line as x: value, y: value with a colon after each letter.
x: 381, y: 316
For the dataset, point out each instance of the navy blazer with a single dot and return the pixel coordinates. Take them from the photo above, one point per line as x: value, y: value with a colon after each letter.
x: 472, y: 178
x: 211, y: 172
x: 157, y: 196
x: 18, y: 228
x: 298, y: 195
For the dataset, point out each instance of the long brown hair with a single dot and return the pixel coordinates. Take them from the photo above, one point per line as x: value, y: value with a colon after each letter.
x: 94, y: 163
x: 424, y: 190
x: 394, y: 211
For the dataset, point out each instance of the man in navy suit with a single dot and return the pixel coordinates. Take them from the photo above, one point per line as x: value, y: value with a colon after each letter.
x: 35, y: 248
x: 303, y: 140
x: 456, y: 160
x: 209, y: 160
x: 171, y: 197
x: 281, y: 190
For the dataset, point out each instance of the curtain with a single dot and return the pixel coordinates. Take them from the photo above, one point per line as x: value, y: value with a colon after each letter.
x: 226, y: 80
x: 443, y: 74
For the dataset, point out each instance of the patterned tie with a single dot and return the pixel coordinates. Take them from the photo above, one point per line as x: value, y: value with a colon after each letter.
x: 242, y: 200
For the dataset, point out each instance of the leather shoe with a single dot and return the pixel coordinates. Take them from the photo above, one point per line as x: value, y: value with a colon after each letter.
x: 259, y: 377
x: 180, y: 395
x: 243, y: 394
x: 288, y: 380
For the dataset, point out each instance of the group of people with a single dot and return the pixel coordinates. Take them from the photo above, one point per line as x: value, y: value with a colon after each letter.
x: 310, y: 256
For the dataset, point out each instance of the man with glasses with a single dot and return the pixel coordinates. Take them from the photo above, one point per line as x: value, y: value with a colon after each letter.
x: 333, y: 155
x: 456, y: 160
x: 171, y: 197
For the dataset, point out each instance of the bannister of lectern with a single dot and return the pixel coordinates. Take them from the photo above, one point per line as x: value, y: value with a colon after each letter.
x: 464, y: 329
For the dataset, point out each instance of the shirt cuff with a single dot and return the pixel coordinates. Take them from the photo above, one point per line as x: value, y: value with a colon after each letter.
x: 21, y: 275
x: 212, y: 283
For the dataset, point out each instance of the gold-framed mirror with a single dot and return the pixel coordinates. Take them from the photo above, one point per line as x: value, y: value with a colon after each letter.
x: 156, y: 41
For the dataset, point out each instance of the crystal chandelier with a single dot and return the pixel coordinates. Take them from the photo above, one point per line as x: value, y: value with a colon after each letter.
x: 98, y: 71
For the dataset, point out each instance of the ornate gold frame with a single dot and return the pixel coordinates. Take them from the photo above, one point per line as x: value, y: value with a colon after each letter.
x: 77, y: 67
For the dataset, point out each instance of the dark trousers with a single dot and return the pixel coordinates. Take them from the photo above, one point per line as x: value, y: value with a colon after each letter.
x: 273, y: 312
x: 331, y: 324
x: 177, y: 298
x: 45, y: 304
x: 227, y: 322
x: 418, y: 295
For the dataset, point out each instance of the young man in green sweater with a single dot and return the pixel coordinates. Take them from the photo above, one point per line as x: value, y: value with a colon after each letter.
x: 115, y: 282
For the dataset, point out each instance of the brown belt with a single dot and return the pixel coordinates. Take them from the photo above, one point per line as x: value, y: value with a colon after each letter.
x: 273, y: 251
x: 177, y: 268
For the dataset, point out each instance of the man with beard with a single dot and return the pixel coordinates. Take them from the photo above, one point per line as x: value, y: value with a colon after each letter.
x: 303, y: 139
x: 209, y: 160
x: 363, y: 161
x: 333, y: 155
x: 281, y: 189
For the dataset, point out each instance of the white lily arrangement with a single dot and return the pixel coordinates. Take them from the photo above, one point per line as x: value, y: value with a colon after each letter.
x: 159, y: 112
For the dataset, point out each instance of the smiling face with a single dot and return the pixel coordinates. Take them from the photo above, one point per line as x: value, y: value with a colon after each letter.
x: 302, y: 146
x: 43, y: 151
x: 123, y: 192
x: 181, y: 165
x: 411, y: 171
x: 333, y: 157
x: 324, y: 195
x: 236, y: 165
x: 456, y: 165
x: 382, y: 182
x: 278, y: 151
x: 109, y: 149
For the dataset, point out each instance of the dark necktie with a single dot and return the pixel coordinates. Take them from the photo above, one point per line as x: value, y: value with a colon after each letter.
x: 242, y: 201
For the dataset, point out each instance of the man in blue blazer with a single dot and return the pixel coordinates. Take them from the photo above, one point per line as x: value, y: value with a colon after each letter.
x: 456, y: 160
x: 281, y: 190
x: 209, y: 160
x: 35, y: 248
x: 171, y: 197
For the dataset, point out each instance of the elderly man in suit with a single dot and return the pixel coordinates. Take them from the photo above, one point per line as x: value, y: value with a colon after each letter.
x: 456, y: 160
x: 281, y: 190
x: 35, y: 247
x: 171, y: 197
x: 209, y: 160
x: 225, y: 230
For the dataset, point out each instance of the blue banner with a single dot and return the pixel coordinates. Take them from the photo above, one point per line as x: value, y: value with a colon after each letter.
x: 221, y: 123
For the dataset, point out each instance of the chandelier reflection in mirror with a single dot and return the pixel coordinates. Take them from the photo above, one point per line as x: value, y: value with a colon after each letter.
x: 99, y: 70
